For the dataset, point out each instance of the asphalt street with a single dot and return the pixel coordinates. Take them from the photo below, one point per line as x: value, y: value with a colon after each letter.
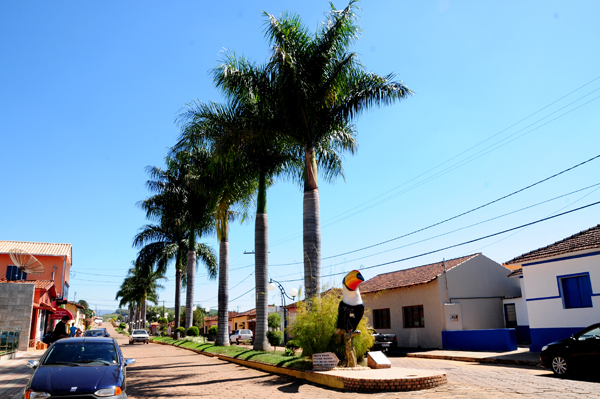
x: 164, y: 371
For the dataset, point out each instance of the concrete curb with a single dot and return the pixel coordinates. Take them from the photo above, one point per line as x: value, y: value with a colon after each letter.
x: 382, y: 382
x: 474, y: 359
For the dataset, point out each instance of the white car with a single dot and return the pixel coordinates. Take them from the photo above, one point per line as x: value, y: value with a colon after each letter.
x: 240, y: 335
x: 139, y: 336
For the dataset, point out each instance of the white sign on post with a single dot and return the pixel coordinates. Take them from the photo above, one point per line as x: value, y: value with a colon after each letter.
x: 327, y: 360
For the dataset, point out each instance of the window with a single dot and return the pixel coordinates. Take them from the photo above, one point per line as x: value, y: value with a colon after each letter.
x: 381, y: 318
x: 413, y: 316
x: 13, y: 273
x: 577, y: 291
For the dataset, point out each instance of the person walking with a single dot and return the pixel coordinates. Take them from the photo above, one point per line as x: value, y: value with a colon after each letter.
x: 60, y: 331
x: 72, y: 330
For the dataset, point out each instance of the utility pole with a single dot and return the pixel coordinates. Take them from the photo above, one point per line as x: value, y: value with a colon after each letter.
x: 75, y: 296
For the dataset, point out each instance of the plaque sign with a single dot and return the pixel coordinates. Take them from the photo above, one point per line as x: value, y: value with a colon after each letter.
x: 377, y: 360
x: 327, y: 360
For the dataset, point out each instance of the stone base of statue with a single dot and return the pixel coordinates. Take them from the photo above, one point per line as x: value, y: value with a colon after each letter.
x: 350, y: 352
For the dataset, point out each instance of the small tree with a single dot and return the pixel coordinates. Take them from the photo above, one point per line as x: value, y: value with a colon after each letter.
x: 192, y: 331
x: 315, y: 330
x: 212, y: 330
x: 275, y: 338
x: 274, y: 321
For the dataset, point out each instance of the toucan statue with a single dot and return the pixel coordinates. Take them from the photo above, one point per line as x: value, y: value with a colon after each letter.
x: 350, y: 312
x: 351, y: 308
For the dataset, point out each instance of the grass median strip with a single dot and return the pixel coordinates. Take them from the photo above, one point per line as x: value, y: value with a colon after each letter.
x: 240, y: 352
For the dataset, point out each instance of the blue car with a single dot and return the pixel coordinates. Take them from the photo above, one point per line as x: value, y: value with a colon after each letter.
x: 83, y: 367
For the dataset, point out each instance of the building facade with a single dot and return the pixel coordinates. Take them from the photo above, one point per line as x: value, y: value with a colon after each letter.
x: 419, y: 303
x: 561, y: 286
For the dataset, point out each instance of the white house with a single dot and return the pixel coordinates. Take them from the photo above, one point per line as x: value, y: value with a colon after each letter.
x: 423, y: 303
x: 561, y: 286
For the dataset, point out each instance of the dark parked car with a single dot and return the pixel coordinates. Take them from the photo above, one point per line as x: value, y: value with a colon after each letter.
x: 383, y: 342
x: 83, y: 367
x: 581, y: 350
x: 96, y: 332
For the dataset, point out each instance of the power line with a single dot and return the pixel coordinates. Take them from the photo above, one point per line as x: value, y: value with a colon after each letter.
x: 341, y: 216
x: 460, y: 244
x: 476, y: 224
x: 456, y: 216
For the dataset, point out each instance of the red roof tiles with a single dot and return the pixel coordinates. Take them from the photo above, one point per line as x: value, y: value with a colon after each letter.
x: 587, y: 239
x: 408, y: 277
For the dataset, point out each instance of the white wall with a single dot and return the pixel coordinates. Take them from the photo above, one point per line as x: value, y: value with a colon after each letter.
x: 480, y: 285
x: 541, y: 282
x: 427, y: 295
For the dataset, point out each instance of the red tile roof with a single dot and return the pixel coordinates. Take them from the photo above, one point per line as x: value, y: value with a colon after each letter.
x: 587, y: 239
x: 251, y: 312
x: 516, y: 272
x: 213, y: 318
x: 409, y: 277
x: 39, y: 248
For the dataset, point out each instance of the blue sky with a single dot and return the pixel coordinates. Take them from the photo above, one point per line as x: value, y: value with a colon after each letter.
x: 506, y: 94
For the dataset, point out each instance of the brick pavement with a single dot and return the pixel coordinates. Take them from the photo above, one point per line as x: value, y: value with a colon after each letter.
x: 165, y: 371
x: 14, y: 374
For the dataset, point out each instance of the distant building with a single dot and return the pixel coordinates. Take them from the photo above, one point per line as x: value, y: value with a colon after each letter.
x: 561, y: 286
x: 420, y: 303
x: 30, y: 302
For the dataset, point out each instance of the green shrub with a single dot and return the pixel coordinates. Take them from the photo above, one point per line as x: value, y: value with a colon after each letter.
x: 123, y: 326
x: 212, y: 330
x: 315, y: 327
x: 275, y: 337
x: 88, y: 328
x: 180, y: 330
x: 274, y: 320
x: 292, y: 347
x: 192, y: 331
x: 164, y: 334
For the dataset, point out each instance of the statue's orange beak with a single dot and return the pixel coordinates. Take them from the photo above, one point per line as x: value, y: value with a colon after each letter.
x: 353, y: 280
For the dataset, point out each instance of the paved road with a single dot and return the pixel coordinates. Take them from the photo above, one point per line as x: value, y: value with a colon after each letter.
x: 164, y: 371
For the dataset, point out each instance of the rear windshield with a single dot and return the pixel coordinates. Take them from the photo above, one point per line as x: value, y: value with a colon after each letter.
x: 139, y: 331
x: 92, y: 333
x: 83, y: 353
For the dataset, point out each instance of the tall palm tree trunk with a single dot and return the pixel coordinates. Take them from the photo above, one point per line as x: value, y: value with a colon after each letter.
x: 144, y: 305
x: 261, y: 264
x: 222, y: 325
x: 311, y: 220
x: 178, y: 274
x: 131, y: 317
x: 191, y: 277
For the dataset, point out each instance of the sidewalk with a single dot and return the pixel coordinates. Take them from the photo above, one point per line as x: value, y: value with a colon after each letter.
x: 521, y: 356
x: 14, y: 374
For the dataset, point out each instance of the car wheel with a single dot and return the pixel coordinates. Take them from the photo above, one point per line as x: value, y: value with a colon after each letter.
x: 237, y: 341
x: 559, y: 365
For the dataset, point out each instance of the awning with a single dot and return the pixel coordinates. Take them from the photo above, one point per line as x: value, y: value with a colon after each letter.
x: 59, y: 313
x: 43, y: 306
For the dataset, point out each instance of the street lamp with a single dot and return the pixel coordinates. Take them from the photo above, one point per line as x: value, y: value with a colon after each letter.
x: 293, y: 292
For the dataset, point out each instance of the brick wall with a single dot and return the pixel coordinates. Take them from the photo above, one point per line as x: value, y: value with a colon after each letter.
x: 16, y: 307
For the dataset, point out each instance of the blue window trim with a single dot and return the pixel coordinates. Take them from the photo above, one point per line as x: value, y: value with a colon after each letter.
x: 561, y: 259
x: 560, y: 295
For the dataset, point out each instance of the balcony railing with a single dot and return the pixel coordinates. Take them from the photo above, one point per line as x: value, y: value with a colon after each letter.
x: 9, y: 341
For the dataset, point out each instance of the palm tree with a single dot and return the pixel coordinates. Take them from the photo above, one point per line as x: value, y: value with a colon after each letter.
x: 170, y: 239
x: 323, y: 87
x: 140, y: 286
x: 253, y: 135
x: 231, y: 185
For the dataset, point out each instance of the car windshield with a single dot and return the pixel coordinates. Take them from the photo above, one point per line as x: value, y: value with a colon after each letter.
x: 139, y: 331
x: 595, y: 332
x: 235, y: 332
x: 81, y: 353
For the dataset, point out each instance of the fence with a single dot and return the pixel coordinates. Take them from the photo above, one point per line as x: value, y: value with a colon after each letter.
x: 9, y: 341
